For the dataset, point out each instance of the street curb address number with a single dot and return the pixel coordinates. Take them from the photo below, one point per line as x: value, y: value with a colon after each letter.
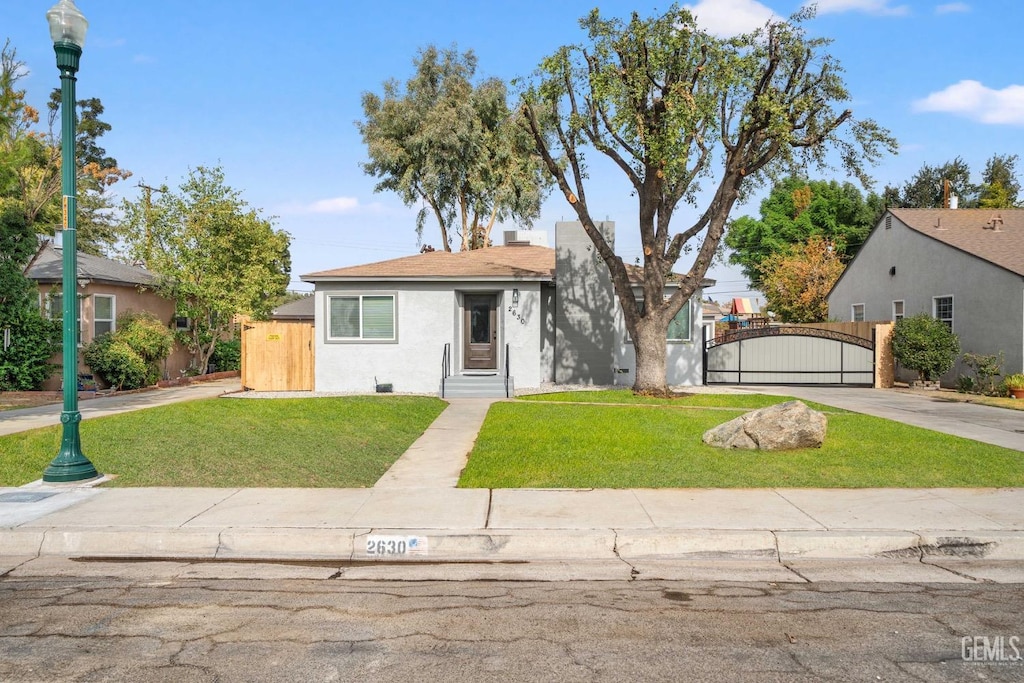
x: 395, y: 546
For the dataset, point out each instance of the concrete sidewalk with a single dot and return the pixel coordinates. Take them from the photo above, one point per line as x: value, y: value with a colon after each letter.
x: 415, y: 525
x: 23, y: 419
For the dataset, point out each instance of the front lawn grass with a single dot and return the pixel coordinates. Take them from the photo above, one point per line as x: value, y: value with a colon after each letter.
x: 343, y: 442
x: 696, y: 400
x: 537, y: 445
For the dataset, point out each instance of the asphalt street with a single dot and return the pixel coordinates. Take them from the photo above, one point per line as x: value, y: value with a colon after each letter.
x: 135, y: 622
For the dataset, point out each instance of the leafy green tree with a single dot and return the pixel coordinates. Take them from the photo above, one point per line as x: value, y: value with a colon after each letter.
x: 926, y: 190
x: 98, y: 172
x: 30, y: 159
x: 672, y: 107
x: 215, y: 255
x: 796, y: 282
x: 925, y: 345
x: 452, y: 145
x: 797, y: 210
x: 999, y: 185
x: 29, y: 339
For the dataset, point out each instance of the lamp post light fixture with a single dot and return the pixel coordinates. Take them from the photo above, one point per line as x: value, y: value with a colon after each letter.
x: 67, y: 29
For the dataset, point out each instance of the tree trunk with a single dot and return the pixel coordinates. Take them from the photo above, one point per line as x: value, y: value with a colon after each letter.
x: 649, y: 345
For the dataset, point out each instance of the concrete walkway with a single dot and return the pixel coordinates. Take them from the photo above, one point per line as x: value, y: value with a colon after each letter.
x: 997, y: 426
x: 438, y: 457
x: 414, y: 524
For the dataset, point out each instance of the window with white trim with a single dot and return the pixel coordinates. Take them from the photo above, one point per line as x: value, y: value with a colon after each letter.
x: 942, y: 309
x: 361, y: 317
x: 55, y: 309
x: 897, y: 311
x: 103, y: 313
x: 857, y: 313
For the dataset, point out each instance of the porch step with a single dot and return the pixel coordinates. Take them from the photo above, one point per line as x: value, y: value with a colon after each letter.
x: 475, y: 386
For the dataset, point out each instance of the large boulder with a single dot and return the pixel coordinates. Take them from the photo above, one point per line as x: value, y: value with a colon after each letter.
x: 775, y: 428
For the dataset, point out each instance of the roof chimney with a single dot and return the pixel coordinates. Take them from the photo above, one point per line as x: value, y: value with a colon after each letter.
x: 58, y: 239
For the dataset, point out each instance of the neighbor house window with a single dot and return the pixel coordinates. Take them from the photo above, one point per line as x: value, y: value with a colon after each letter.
x: 364, y: 317
x: 857, y: 313
x: 679, y: 327
x: 103, y: 314
x: 897, y: 311
x: 942, y: 309
x: 55, y: 302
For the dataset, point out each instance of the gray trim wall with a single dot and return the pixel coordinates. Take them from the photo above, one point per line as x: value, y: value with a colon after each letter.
x: 585, y: 307
x: 988, y: 301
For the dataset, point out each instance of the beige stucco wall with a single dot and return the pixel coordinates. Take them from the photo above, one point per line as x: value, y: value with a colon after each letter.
x: 126, y: 298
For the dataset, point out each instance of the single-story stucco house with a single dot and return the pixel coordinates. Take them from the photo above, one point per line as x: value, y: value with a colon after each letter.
x: 962, y: 266
x: 460, y: 322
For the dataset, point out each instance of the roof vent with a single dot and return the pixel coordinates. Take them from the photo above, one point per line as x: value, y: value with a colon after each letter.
x: 995, y: 224
x: 938, y: 223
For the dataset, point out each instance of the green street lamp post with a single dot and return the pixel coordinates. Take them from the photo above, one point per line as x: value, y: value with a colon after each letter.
x: 67, y: 28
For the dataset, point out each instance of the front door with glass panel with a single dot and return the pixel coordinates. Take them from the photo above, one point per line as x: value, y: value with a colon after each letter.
x: 481, y: 332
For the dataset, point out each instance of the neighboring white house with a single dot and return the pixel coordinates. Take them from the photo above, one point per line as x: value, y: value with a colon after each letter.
x: 963, y: 266
x: 542, y: 315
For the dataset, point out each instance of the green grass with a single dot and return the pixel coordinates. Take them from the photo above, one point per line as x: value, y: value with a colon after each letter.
x: 343, y: 442
x: 699, y: 400
x: 528, y: 444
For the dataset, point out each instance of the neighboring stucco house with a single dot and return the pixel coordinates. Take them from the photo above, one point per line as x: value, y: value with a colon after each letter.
x: 963, y: 266
x: 106, y: 289
x: 543, y: 315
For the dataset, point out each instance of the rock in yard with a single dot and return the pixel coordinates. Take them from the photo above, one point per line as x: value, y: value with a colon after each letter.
x: 775, y: 428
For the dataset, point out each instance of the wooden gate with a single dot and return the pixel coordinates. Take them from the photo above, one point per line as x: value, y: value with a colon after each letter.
x: 277, y: 356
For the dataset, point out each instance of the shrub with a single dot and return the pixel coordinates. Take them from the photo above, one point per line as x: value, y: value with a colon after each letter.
x: 227, y: 355
x: 25, y: 364
x: 129, y: 357
x: 146, y: 335
x: 115, y: 362
x: 985, y: 368
x: 925, y: 345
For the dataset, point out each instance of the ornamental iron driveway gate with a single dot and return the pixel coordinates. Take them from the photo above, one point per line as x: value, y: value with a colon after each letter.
x: 789, y: 355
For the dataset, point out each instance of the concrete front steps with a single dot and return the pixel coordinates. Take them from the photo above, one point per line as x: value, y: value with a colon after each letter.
x: 475, y: 386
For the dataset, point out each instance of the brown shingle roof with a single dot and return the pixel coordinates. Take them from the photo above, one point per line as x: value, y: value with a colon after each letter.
x: 523, y: 262
x: 995, y: 235
x: 500, y: 263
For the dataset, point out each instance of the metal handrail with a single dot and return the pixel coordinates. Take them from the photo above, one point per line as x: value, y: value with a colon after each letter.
x: 507, y: 366
x: 446, y: 365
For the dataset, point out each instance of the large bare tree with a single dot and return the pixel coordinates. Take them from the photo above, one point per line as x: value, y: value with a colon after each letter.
x: 673, y: 106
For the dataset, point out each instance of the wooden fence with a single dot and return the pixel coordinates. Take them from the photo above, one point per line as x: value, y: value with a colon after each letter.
x: 277, y: 356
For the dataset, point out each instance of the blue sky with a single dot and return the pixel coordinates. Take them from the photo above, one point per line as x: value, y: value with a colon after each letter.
x: 271, y: 91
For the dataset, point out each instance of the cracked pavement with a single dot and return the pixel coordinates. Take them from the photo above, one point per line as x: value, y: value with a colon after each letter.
x: 144, y: 622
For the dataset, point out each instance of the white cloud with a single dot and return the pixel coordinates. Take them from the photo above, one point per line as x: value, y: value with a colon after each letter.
x: 143, y: 59
x: 951, y: 7
x: 334, y: 205
x: 878, y: 7
x: 972, y: 100
x: 730, y: 17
